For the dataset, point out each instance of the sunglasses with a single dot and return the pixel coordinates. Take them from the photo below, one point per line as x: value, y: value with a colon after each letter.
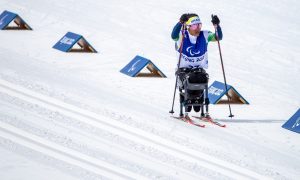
x: 194, y: 26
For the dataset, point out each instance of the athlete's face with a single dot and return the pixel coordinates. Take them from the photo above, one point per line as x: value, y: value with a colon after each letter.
x: 195, y: 29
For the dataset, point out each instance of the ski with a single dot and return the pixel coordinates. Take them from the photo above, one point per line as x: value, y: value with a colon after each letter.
x: 210, y: 120
x: 189, y: 121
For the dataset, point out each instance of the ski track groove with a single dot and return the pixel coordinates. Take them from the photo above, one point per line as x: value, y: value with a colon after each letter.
x: 68, y: 142
x: 212, y: 163
x: 33, y: 155
x: 65, y: 154
x: 177, y: 166
x: 180, y: 167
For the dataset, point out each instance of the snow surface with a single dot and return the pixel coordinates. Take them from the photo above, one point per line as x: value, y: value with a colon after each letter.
x: 75, y: 116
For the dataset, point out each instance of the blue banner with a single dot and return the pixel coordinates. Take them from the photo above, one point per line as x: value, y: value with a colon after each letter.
x: 293, y: 123
x: 135, y: 66
x: 5, y: 18
x: 217, y: 90
x: 67, y: 42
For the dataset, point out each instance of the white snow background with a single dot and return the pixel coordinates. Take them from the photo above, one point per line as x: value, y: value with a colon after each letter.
x: 75, y: 116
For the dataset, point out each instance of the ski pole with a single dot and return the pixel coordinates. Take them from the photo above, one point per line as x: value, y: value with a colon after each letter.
x: 180, y: 54
x: 217, y: 37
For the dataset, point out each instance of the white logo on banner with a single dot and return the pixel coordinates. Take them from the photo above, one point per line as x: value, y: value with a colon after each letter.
x: 297, y: 123
x: 66, y: 40
x: 133, y: 67
x: 215, y: 91
x: 191, y: 52
x: 2, y: 19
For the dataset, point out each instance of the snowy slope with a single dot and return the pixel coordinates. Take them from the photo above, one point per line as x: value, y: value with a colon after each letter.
x: 74, y: 116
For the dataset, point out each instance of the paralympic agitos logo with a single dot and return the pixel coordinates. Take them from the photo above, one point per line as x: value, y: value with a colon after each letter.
x: 191, y: 51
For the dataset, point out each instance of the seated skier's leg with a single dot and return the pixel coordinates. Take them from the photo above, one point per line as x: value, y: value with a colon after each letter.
x: 181, y: 77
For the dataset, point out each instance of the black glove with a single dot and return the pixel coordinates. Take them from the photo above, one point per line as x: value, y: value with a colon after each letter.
x: 184, y: 18
x: 215, y: 20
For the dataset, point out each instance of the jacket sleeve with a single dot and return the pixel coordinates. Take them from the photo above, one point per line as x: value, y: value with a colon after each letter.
x: 176, y: 31
x: 212, y: 36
